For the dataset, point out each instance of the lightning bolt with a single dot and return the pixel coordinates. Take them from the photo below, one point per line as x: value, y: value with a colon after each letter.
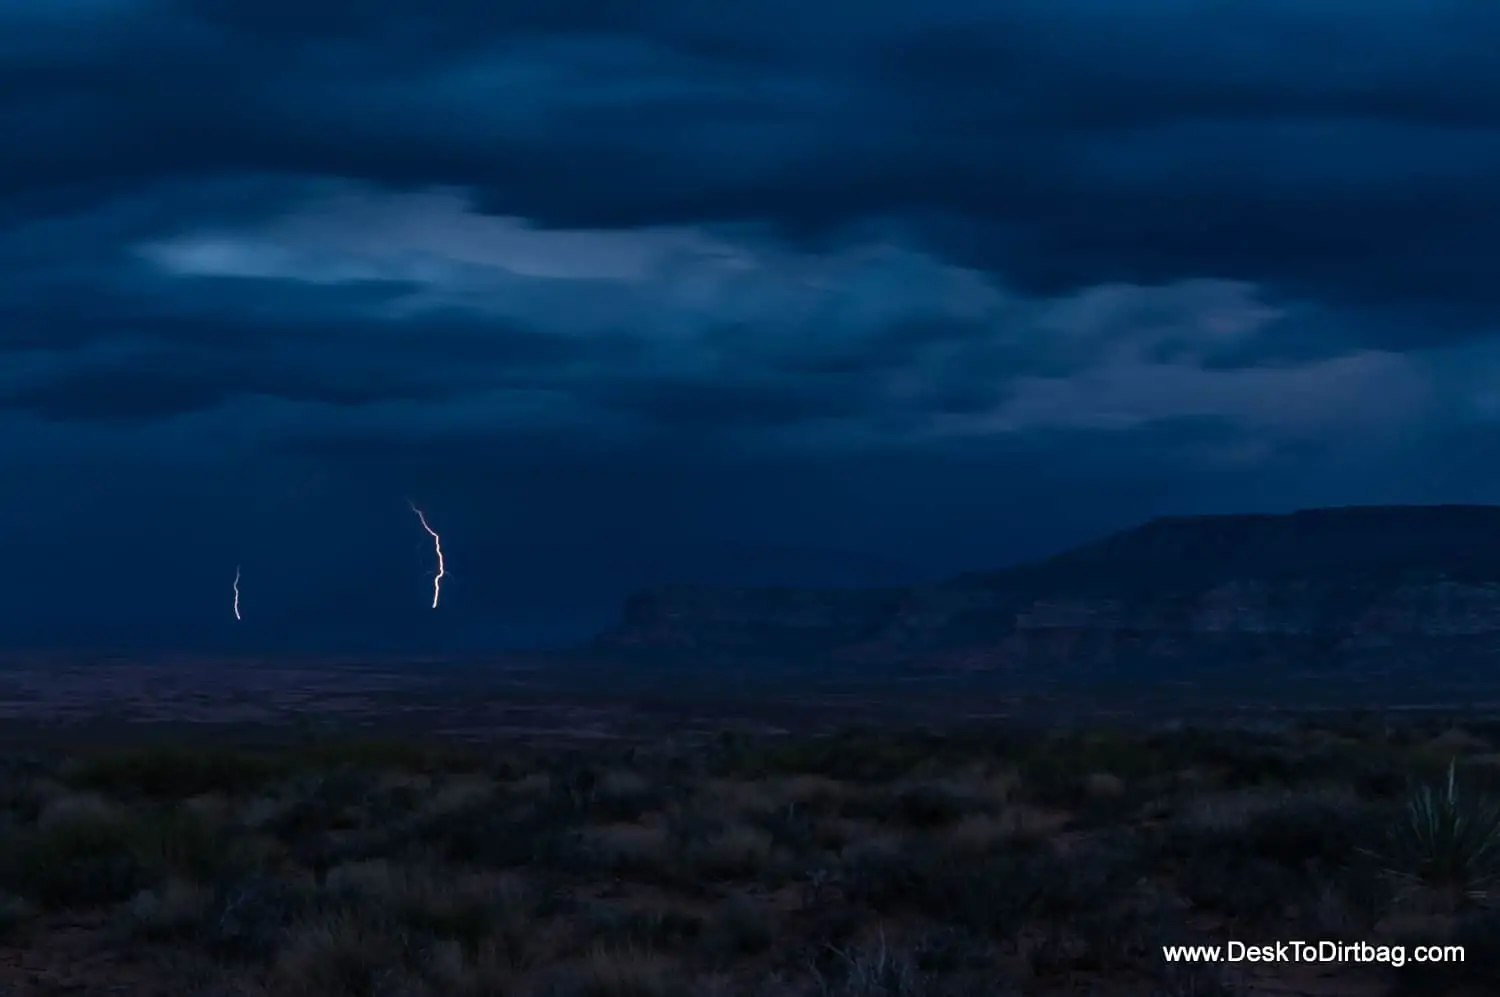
x: 236, y: 591
x: 437, y: 547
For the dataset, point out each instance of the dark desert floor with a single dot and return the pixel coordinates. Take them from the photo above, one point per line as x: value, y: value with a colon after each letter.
x: 79, y: 696
x: 220, y: 830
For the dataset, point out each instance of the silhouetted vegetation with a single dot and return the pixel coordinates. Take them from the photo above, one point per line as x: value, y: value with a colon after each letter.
x: 869, y: 863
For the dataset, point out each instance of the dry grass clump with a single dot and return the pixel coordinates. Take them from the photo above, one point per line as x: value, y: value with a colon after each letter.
x: 339, y: 957
x: 623, y: 784
x: 455, y: 795
x: 80, y: 810
x: 1014, y: 826
x: 632, y: 847
x: 173, y: 910
x: 532, y: 784
x: 736, y: 851
x: 1232, y: 811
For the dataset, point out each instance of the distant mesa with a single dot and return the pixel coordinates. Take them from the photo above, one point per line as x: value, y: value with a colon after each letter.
x: 1375, y: 593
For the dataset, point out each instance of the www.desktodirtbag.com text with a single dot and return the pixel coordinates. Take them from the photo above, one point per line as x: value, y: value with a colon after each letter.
x: 1314, y: 952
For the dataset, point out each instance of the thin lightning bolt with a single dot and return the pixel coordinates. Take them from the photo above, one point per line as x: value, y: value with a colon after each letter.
x: 236, y: 591
x: 437, y: 546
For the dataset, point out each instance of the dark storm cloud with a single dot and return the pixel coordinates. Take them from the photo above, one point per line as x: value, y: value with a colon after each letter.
x: 1326, y: 145
x: 96, y: 353
x: 428, y: 319
x: 145, y: 388
x: 113, y: 396
x: 730, y: 402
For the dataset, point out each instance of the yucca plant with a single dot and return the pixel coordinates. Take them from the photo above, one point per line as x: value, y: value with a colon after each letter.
x: 1446, y: 841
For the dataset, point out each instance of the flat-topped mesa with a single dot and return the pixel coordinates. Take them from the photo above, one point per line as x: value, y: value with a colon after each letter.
x: 1335, y: 584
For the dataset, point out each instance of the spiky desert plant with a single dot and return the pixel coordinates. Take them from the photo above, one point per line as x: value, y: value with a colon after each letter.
x: 873, y: 970
x: 1446, y: 841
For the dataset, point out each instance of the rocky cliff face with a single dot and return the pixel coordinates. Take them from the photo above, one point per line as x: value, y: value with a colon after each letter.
x: 1387, y: 588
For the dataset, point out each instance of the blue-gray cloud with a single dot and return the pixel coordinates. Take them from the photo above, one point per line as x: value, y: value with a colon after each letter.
x: 1319, y: 143
x: 414, y: 308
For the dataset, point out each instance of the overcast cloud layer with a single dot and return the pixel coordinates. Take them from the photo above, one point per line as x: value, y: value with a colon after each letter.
x: 629, y: 292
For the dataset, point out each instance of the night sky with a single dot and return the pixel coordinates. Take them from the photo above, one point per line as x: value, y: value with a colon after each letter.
x: 628, y: 292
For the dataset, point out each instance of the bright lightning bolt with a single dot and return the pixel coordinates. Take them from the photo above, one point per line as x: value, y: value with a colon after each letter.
x: 437, y: 546
x: 236, y: 591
